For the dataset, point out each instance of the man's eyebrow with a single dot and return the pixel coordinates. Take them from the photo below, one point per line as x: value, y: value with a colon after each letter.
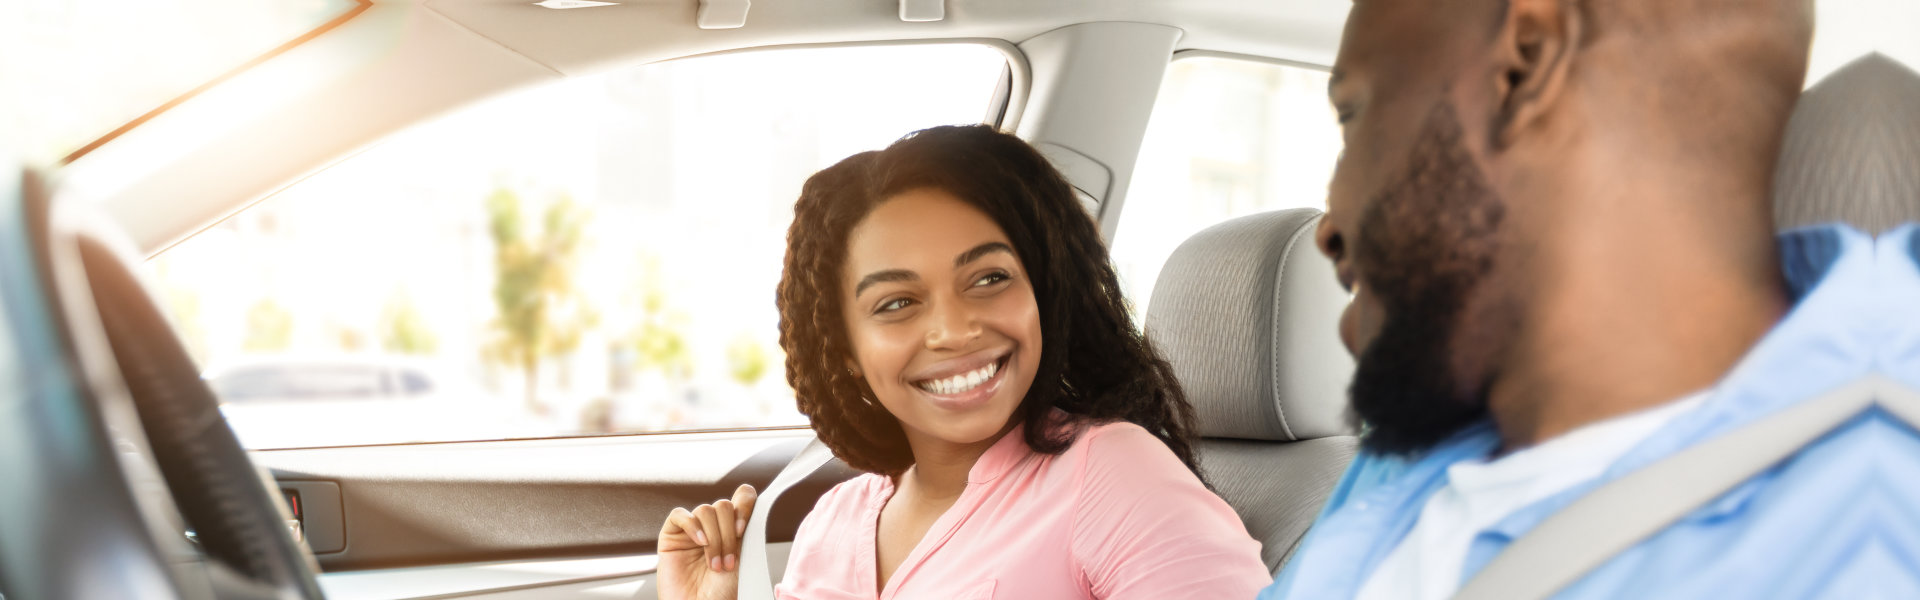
x: 979, y: 251
x: 1334, y: 80
x: 889, y: 275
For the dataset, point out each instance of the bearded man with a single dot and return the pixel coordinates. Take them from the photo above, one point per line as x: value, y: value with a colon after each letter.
x: 1555, y: 220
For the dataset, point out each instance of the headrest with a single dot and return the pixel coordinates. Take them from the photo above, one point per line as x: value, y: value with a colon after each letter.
x: 1852, y: 150
x: 1248, y: 312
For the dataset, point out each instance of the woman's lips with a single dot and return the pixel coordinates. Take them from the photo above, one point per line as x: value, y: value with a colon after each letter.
x: 970, y: 397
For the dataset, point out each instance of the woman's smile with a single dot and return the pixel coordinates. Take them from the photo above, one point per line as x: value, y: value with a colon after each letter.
x: 967, y: 382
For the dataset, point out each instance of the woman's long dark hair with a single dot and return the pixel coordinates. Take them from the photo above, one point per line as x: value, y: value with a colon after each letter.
x: 1094, y: 363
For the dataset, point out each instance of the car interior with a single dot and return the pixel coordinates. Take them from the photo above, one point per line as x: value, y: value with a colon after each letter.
x: 122, y: 449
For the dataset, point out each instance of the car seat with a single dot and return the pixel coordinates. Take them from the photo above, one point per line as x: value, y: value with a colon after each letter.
x: 1247, y: 313
x: 1852, y: 150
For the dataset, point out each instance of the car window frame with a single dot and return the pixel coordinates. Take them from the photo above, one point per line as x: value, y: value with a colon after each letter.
x: 1195, y: 53
x: 1118, y: 204
x: 1003, y: 112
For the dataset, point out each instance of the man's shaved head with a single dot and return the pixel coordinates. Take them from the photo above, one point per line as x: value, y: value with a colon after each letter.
x: 1727, y: 71
x: 1517, y: 174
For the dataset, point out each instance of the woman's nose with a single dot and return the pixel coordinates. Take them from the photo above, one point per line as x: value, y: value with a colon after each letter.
x: 953, y: 326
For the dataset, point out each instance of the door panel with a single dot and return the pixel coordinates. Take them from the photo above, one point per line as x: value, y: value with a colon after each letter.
x: 458, y: 503
x: 627, y: 577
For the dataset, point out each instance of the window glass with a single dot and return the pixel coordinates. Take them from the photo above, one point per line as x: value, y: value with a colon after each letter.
x: 595, y: 256
x: 1227, y: 138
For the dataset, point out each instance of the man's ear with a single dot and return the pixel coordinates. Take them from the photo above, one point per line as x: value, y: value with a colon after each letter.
x: 1535, y: 53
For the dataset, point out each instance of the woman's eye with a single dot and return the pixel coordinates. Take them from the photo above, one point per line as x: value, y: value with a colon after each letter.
x: 893, y: 305
x: 990, y: 279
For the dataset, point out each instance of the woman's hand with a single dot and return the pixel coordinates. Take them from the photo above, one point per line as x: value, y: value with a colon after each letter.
x: 700, y: 549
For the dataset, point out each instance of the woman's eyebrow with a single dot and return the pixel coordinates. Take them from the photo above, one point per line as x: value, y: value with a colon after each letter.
x: 981, y: 250
x: 888, y: 275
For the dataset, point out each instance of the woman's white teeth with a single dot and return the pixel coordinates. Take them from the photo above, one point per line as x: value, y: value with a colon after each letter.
x: 962, y: 382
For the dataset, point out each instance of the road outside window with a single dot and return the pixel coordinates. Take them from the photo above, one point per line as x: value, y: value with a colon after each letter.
x: 1227, y: 138
x: 596, y: 256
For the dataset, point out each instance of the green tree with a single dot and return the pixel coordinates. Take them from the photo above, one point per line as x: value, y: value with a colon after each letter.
x: 404, y: 330
x: 659, y: 340
x: 542, y: 313
x: 746, y: 360
x: 269, y: 327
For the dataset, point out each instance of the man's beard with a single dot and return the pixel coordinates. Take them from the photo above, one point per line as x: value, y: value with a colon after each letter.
x: 1425, y: 245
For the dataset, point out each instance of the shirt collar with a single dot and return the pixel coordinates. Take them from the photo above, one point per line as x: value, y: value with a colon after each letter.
x: 1823, y: 342
x: 1820, y: 344
x: 1009, y: 452
x: 1807, y: 254
x: 1827, y: 268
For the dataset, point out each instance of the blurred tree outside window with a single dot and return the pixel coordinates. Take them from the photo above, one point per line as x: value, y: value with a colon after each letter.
x: 406, y: 331
x: 542, y: 313
x: 269, y: 327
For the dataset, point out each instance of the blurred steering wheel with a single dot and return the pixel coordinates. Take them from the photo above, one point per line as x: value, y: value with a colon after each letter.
x: 111, y: 446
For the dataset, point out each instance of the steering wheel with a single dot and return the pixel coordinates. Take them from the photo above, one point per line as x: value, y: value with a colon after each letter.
x: 126, y: 444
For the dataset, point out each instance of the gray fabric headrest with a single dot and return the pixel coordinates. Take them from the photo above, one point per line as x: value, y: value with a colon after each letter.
x: 1248, y: 312
x: 1852, y: 150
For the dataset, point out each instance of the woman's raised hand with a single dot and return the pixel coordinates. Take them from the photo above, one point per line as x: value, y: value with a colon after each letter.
x: 700, y: 549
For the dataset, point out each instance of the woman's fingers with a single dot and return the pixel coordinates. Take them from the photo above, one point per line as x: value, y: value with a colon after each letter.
x: 743, y: 499
x: 729, y: 536
x: 715, y: 529
x: 710, y: 527
x: 680, y: 531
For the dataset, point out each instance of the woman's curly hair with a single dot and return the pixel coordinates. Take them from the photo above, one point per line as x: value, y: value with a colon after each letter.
x: 1095, y: 365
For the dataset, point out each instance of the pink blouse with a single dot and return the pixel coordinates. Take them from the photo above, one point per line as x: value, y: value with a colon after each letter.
x: 1115, y: 516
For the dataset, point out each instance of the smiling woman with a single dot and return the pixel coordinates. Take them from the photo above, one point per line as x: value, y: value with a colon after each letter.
x: 954, y: 328
x: 934, y: 201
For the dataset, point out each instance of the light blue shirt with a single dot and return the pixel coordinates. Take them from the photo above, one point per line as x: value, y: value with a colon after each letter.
x: 1840, y: 519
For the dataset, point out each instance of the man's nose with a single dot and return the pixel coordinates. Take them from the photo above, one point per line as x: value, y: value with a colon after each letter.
x: 1330, y: 239
x: 954, y: 325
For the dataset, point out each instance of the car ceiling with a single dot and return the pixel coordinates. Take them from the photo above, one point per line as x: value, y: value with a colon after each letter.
x: 580, y: 41
x: 399, y: 63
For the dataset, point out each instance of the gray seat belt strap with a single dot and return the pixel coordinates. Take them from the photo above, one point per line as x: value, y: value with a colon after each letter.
x: 1618, y: 515
x: 756, y: 581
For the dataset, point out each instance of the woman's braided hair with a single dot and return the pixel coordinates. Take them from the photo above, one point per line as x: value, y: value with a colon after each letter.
x: 1095, y: 365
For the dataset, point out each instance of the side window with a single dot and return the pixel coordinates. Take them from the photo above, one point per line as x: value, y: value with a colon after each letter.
x: 1227, y: 138
x: 594, y: 256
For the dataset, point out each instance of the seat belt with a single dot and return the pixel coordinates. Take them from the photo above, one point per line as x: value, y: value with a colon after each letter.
x: 1621, y: 514
x: 756, y: 580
